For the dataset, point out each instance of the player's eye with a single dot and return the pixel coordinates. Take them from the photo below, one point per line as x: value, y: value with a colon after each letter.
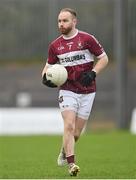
x: 65, y: 20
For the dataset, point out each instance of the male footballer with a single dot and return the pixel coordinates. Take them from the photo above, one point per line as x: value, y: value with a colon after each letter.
x: 75, y: 50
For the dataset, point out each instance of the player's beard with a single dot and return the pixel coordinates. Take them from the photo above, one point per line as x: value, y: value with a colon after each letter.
x: 65, y: 31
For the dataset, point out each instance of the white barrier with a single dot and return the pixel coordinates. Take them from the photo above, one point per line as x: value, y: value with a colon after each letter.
x: 23, y: 121
x: 133, y: 122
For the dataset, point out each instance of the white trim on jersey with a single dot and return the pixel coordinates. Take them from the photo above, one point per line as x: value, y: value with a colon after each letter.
x: 70, y: 36
x: 75, y: 58
x: 101, y: 55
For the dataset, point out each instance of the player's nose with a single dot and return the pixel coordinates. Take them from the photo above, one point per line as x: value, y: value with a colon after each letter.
x: 61, y: 24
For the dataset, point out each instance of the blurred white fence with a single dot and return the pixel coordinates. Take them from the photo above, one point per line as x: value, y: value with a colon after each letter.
x: 133, y: 122
x: 24, y: 121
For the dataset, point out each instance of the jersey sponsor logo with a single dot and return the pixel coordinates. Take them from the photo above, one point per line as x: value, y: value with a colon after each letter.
x: 73, y: 58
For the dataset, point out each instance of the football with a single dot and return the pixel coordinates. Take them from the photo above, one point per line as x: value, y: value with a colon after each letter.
x: 57, y: 73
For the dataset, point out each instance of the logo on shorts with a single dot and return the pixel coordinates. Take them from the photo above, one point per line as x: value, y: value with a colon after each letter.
x: 60, y: 99
x: 65, y: 106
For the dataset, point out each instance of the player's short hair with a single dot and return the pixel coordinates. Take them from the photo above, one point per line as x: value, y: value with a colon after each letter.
x: 71, y: 11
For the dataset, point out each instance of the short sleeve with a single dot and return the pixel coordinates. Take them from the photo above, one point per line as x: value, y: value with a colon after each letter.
x: 52, y: 57
x: 95, y: 47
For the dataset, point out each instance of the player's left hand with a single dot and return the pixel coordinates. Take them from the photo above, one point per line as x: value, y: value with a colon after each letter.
x: 87, y: 78
x: 48, y: 82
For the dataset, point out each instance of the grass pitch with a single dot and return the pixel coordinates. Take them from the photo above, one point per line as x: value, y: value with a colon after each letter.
x: 99, y: 155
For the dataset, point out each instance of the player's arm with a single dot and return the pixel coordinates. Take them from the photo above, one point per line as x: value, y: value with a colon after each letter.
x: 96, y: 49
x: 89, y: 77
x: 101, y: 64
x: 52, y: 59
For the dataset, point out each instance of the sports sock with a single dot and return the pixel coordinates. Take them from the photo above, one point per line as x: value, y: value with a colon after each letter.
x: 71, y: 159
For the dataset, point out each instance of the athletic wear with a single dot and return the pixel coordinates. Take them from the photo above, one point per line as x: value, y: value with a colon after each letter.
x: 73, y: 170
x: 61, y: 161
x: 76, y: 55
x: 80, y: 103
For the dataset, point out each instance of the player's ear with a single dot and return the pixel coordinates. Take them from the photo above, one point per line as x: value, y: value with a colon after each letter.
x: 75, y: 21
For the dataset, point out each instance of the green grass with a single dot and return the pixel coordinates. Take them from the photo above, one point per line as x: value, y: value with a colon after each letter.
x: 99, y: 155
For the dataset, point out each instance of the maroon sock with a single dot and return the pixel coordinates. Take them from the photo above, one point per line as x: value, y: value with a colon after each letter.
x: 70, y: 159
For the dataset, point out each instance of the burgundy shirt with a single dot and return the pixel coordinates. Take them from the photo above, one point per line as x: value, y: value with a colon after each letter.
x: 76, y: 54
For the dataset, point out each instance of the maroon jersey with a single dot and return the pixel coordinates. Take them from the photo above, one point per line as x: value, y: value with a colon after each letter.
x: 76, y: 55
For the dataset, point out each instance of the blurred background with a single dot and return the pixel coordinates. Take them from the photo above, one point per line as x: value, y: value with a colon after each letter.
x: 26, y: 29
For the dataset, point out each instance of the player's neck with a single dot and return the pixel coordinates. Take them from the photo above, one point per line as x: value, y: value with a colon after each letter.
x: 72, y: 34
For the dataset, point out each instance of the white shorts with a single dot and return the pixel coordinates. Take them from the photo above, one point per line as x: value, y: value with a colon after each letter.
x: 80, y: 103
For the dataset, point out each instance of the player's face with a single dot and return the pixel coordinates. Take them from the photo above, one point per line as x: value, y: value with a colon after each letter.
x: 66, y: 22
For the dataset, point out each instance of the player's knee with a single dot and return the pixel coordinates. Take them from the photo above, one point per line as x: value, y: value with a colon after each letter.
x: 76, y: 134
x: 69, y: 127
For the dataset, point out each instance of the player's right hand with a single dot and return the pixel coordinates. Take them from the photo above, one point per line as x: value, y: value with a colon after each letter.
x: 47, y: 82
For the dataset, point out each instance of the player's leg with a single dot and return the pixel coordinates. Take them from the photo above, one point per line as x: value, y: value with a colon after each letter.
x: 86, y: 102
x: 69, y: 118
x: 79, y: 126
x: 66, y: 102
x: 68, y: 106
x: 81, y: 119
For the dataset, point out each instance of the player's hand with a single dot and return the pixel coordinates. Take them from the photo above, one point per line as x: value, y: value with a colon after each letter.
x: 47, y: 82
x: 87, y: 78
